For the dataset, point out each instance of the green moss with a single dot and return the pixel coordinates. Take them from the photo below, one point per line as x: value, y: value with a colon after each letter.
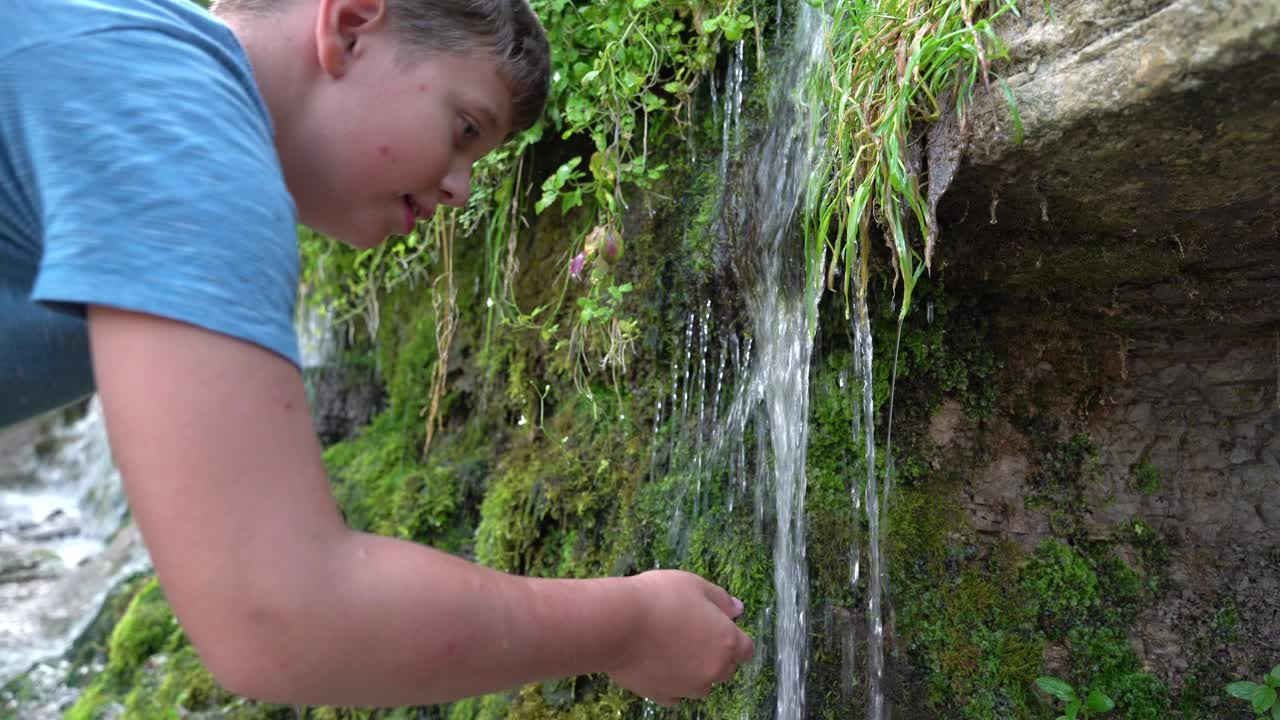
x: 977, y: 616
x: 489, y: 707
x: 384, y: 486
x: 1103, y: 658
x: 1140, y: 696
x: 146, y: 628
x: 703, y: 233
x: 92, y: 705
x: 188, y: 683
x: 834, y: 472
x: 944, y: 352
x: 545, y: 513
x: 1065, y: 470
x: 975, y: 641
x: 1145, y: 477
x: 1202, y: 695
x: 1061, y: 585
x: 94, y: 643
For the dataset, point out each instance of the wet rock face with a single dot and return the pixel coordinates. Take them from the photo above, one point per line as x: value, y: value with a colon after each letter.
x: 1136, y: 230
x: 342, y: 400
x: 1202, y: 421
x: 1187, y: 438
x: 1150, y: 152
x: 1128, y: 253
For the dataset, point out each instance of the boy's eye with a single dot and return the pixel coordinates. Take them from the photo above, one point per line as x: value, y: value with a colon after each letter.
x: 469, y: 128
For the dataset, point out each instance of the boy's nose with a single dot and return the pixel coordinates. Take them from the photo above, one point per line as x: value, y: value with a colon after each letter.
x: 456, y: 187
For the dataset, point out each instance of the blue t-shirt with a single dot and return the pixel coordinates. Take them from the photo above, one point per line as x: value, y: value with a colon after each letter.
x: 137, y: 170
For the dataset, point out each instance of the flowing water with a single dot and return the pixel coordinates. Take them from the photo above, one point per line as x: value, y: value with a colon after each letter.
x: 779, y: 305
x: 864, y: 426
x: 731, y: 131
x: 771, y: 362
x: 64, y: 544
x: 770, y: 366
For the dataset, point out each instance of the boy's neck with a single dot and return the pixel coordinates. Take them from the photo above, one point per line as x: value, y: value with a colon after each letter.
x: 281, y: 50
x: 267, y: 47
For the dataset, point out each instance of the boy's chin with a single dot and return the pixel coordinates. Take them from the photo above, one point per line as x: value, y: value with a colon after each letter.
x: 363, y: 243
x: 359, y: 238
x: 359, y: 241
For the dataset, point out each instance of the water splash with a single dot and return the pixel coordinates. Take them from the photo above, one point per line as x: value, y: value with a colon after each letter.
x: 688, y: 364
x: 785, y: 374
x: 731, y: 130
x: 653, y: 451
x: 79, y: 484
x: 779, y: 303
x: 77, y: 481
x: 704, y: 328
x: 864, y: 426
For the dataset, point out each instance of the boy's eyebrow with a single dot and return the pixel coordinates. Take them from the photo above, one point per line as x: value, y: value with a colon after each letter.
x: 487, y: 116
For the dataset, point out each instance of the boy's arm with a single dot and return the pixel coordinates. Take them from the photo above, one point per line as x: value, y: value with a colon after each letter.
x: 214, y: 440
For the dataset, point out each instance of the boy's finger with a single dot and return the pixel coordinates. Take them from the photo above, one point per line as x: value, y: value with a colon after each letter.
x: 728, y: 604
x: 745, y: 649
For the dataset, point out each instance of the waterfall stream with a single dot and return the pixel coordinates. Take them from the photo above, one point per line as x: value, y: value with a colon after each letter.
x: 64, y: 544
x: 864, y: 426
x: 779, y: 305
x: 770, y: 367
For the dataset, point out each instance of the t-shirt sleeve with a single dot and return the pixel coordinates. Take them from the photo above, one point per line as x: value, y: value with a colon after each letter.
x: 158, y: 184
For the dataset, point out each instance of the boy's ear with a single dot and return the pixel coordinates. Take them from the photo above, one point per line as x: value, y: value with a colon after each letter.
x: 340, y: 29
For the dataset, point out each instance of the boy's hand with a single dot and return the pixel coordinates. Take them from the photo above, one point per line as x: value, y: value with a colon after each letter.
x: 686, y: 639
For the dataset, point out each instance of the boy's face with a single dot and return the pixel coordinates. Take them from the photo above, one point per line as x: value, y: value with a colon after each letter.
x: 384, y: 142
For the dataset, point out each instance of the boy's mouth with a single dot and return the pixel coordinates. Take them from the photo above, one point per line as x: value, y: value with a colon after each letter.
x: 412, y: 211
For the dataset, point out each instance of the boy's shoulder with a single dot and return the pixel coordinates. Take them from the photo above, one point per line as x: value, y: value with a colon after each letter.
x: 52, y: 22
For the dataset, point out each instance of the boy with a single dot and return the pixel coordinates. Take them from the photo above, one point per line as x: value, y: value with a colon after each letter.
x: 155, y: 160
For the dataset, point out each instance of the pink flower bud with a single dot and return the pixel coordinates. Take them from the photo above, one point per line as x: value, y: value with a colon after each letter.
x: 576, y: 264
x: 611, y: 246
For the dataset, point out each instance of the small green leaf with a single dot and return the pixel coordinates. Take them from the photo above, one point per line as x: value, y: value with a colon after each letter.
x: 1263, y: 698
x: 548, y: 197
x: 1273, y: 677
x: 1013, y: 111
x: 1057, y: 688
x: 571, y: 200
x: 1275, y: 712
x: 1073, y: 709
x: 1243, y: 689
x: 1099, y: 702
